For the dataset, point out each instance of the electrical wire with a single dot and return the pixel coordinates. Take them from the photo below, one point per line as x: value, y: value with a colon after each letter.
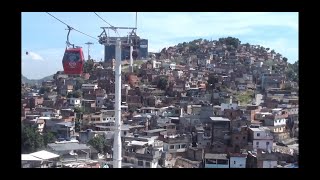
x: 107, y: 23
x: 71, y: 27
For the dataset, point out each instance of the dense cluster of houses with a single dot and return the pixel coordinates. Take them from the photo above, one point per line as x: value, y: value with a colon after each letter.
x: 188, y: 124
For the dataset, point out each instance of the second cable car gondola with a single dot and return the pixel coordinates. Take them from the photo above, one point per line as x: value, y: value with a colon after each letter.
x: 73, y: 59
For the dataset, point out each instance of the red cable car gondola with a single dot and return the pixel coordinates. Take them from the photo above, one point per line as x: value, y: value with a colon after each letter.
x: 73, y: 59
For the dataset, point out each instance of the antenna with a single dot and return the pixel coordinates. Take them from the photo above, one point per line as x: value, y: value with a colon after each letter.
x: 89, y: 43
x: 136, y: 20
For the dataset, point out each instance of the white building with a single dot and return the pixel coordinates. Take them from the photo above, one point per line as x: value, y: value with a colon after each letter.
x: 229, y: 106
x: 76, y: 102
x: 156, y: 64
x: 89, y: 86
x: 269, y: 164
x: 100, y: 101
x: 261, y: 138
x: 238, y: 160
x: 107, y: 116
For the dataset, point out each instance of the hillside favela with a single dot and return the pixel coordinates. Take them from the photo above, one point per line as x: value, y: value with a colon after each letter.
x: 149, y: 90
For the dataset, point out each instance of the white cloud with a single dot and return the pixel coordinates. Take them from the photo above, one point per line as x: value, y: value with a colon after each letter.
x: 34, y: 56
x: 163, y: 27
x: 284, y: 47
x: 51, y: 63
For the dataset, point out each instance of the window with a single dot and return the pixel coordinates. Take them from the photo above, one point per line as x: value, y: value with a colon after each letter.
x: 171, y: 147
x: 222, y: 161
x: 234, y: 162
x: 237, y: 137
x: 147, y: 164
x: 183, y: 146
x: 211, y: 161
x: 257, y: 143
x: 208, y: 143
x: 140, y: 163
x: 258, y: 134
x: 243, y: 137
x: 267, y: 143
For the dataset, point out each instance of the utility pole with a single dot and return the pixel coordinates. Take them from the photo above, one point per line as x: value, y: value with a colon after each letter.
x: 117, y: 134
x: 131, y: 58
x: 89, y: 43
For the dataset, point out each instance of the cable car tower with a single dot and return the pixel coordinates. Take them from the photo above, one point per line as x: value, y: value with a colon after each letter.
x: 132, y: 40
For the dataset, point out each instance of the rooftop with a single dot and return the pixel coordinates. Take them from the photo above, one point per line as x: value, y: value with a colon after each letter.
x: 28, y: 157
x: 219, y: 119
x: 138, y: 143
x: 155, y: 130
x: 44, y: 155
x: 215, y: 156
x: 149, y: 108
x: 260, y: 129
x: 67, y: 146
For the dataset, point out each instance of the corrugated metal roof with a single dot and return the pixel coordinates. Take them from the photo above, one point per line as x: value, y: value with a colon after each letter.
x: 28, y: 157
x: 68, y: 146
x: 44, y: 155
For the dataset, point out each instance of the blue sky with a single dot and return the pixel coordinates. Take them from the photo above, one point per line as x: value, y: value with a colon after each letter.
x: 44, y: 37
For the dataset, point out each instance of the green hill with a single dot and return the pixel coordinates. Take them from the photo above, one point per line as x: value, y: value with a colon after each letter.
x: 35, y: 81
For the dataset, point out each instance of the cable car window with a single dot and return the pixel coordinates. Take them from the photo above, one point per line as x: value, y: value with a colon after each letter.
x: 72, y: 56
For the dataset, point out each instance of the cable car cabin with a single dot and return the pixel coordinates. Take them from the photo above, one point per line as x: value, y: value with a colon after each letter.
x: 73, y: 61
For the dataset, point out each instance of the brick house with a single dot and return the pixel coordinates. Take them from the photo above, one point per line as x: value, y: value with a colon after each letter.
x: 239, y: 139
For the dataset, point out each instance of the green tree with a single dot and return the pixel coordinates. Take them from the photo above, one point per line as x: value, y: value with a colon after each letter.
x: 77, y: 94
x: 70, y: 95
x: 31, y: 139
x: 132, y: 108
x: 162, y: 83
x: 77, y: 125
x: 235, y: 42
x: 79, y: 82
x: 48, y: 137
x: 44, y: 90
x: 78, y: 110
x: 34, y: 87
x: 88, y: 66
x: 212, y: 79
x: 285, y: 59
x: 99, y: 143
x: 292, y: 72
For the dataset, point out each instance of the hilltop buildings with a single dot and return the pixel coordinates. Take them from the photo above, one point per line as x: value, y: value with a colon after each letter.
x: 203, y: 105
